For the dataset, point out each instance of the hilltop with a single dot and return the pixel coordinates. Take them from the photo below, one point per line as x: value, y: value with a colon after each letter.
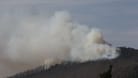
x: 125, y: 66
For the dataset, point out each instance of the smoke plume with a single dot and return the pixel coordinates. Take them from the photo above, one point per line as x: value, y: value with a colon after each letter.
x: 32, y: 42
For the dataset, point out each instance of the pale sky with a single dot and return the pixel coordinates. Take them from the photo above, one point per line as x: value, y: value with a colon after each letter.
x: 117, y: 18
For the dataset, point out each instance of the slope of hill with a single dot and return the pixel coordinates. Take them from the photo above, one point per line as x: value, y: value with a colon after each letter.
x: 125, y: 66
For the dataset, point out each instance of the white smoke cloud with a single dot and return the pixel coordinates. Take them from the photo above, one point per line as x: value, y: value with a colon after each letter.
x: 32, y: 42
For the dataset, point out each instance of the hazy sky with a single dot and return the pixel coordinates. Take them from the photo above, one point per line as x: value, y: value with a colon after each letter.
x: 118, y: 19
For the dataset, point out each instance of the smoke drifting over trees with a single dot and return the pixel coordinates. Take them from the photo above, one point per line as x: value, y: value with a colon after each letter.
x: 33, y: 42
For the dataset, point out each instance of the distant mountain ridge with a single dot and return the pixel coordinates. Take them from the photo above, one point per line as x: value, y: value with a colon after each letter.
x: 125, y: 66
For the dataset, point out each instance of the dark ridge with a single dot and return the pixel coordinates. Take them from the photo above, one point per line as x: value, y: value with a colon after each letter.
x: 125, y: 66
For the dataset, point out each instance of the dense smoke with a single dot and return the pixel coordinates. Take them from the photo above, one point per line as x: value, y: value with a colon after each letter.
x: 50, y: 41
